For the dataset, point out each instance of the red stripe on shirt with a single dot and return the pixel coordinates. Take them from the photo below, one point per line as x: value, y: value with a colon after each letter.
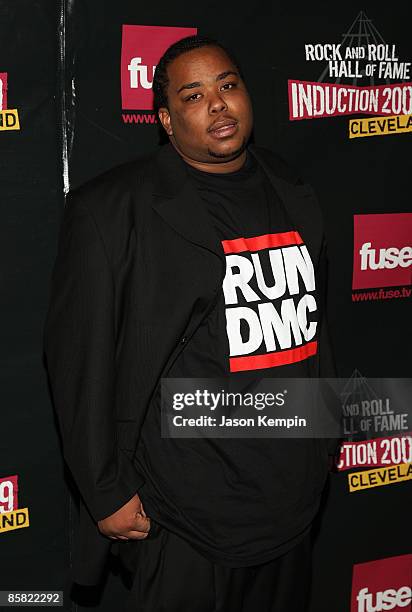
x: 258, y: 362
x: 258, y: 243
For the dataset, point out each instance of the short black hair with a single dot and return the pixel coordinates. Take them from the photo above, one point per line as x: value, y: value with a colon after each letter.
x: 161, y: 80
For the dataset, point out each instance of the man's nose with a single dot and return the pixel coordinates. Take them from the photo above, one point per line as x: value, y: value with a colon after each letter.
x: 217, y: 104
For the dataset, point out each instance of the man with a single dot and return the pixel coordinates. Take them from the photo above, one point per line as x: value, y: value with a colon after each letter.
x: 204, y: 260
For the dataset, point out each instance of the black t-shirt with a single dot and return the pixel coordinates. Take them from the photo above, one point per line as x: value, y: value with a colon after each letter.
x: 241, y: 501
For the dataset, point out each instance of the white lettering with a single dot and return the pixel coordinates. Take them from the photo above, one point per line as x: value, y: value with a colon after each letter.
x: 137, y: 69
x: 276, y: 262
x: 259, y: 278
x: 234, y: 317
x: 384, y: 600
x: 389, y: 258
x: 298, y: 259
x: 281, y: 324
x: 238, y: 280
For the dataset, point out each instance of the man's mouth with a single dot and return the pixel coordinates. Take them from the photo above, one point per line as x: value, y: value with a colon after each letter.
x: 223, y: 128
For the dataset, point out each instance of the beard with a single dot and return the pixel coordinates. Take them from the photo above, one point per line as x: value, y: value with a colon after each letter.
x: 231, y: 154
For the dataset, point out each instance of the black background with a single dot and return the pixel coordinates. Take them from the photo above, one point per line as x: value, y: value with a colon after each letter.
x: 48, y: 49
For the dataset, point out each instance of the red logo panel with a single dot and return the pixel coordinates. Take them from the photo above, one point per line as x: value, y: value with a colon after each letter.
x: 382, y: 250
x: 142, y: 47
x: 3, y: 90
x: 8, y: 493
x: 384, y: 584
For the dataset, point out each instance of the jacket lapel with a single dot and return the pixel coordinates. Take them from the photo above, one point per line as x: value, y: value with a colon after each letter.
x: 175, y: 198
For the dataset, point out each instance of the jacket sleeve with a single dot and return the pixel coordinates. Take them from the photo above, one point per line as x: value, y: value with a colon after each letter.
x: 79, y: 343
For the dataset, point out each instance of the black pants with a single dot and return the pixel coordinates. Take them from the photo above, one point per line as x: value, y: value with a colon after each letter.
x: 170, y: 576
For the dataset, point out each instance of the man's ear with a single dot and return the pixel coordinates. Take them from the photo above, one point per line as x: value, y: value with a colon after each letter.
x: 164, y: 117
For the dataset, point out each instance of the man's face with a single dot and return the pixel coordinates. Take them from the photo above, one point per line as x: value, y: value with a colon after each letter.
x: 209, y: 116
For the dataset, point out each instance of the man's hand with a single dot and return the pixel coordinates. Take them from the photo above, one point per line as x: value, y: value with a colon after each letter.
x: 128, y: 523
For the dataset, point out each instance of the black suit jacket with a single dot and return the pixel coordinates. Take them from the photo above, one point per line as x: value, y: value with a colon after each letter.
x: 137, y: 270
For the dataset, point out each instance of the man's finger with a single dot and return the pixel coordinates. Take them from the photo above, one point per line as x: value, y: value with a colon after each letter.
x: 141, y: 523
x: 137, y: 535
x: 138, y: 529
x: 131, y: 535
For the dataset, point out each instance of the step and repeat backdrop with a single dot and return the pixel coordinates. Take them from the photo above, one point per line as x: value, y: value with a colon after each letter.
x: 332, y: 93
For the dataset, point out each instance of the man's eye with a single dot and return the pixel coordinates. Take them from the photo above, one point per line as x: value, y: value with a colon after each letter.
x: 192, y: 97
x: 228, y: 85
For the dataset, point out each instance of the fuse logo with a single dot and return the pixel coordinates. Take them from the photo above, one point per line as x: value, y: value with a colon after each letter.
x: 378, y: 259
x: 142, y: 47
x: 382, y: 250
x: 384, y: 600
x: 384, y: 584
x: 139, y: 74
